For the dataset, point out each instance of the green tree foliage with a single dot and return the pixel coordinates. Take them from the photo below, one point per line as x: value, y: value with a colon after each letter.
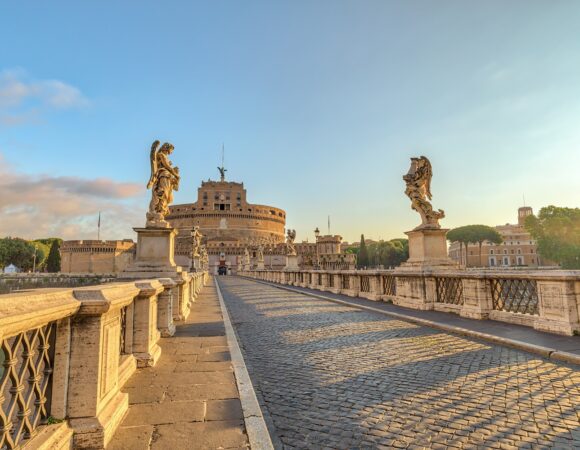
x: 363, y: 255
x: 18, y: 252
x: 474, y: 234
x: 53, y: 262
x: 388, y: 253
x: 557, y: 231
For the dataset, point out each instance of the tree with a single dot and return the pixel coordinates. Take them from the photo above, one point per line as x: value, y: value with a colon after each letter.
x: 363, y: 256
x: 557, y: 232
x: 53, y: 262
x: 18, y: 252
x: 475, y: 234
x: 388, y: 253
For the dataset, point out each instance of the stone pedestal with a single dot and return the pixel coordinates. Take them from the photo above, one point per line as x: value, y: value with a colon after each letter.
x: 428, y: 249
x: 427, y: 254
x: 260, y: 265
x: 155, y: 253
x: 291, y: 262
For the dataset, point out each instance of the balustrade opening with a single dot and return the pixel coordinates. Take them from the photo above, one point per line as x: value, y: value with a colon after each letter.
x: 25, y: 384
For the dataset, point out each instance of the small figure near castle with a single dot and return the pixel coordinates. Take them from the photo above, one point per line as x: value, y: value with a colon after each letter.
x: 290, y: 248
x: 196, y: 241
x: 418, y: 189
x: 163, y: 181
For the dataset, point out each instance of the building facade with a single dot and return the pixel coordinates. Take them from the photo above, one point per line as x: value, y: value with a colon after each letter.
x: 517, y: 249
x: 96, y: 256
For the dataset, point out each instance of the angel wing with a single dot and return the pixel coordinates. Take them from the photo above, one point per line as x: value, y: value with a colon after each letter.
x: 153, y: 158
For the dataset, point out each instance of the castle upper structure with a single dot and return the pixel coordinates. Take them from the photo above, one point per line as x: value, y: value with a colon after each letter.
x: 228, y: 222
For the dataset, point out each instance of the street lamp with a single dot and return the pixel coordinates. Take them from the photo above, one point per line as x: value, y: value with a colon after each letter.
x: 317, y: 234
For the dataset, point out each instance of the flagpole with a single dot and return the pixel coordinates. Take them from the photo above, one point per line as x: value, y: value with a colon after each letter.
x: 99, y: 228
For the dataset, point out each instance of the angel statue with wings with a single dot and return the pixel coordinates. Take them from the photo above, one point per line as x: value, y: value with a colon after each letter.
x: 290, y: 248
x: 196, y: 237
x: 164, y: 180
x: 418, y: 181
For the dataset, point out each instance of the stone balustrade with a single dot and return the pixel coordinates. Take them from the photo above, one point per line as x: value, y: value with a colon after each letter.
x: 66, y: 353
x: 547, y: 300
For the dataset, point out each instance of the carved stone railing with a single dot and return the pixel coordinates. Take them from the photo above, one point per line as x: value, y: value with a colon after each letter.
x: 66, y: 353
x: 548, y: 300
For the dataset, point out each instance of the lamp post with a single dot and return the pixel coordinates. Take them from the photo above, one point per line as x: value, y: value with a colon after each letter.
x: 317, y: 234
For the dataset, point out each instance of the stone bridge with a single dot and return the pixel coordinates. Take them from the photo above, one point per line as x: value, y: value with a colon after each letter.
x: 311, y: 360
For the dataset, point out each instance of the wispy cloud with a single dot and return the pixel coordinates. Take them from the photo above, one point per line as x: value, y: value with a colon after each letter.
x: 33, y: 206
x: 23, y: 99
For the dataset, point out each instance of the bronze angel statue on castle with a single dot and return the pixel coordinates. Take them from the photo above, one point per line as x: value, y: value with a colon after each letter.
x: 163, y: 181
x: 418, y: 181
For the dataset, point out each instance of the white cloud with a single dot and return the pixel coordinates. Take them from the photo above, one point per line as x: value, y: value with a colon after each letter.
x: 23, y: 99
x: 35, y: 206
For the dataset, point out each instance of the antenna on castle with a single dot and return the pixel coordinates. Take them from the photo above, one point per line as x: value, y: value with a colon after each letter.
x: 222, y: 169
x: 524, y: 197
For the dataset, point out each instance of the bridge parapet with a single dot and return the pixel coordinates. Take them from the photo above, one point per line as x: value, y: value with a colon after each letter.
x: 547, y: 300
x: 66, y: 353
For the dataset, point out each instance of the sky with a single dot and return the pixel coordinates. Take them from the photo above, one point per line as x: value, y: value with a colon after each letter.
x: 319, y: 103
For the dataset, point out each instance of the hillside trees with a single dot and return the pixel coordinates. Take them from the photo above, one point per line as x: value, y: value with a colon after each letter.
x: 557, y: 232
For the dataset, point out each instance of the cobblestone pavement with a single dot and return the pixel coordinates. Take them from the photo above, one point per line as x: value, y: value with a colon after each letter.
x: 337, y: 377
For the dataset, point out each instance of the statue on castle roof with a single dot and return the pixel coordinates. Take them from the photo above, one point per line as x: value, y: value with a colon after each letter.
x: 223, y: 171
x: 163, y: 181
x: 290, y: 248
x: 418, y: 181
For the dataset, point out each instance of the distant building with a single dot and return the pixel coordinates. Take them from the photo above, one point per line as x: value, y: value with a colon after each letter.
x: 11, y: 268
x: 326, y: 253
x: 517, y: 249
x: 96, y: 256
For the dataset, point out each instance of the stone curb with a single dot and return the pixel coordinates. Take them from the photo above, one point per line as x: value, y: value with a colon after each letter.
x: 256, y: 428
x: 546, y: 352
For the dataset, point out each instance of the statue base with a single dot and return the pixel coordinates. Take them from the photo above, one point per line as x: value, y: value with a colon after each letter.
x: 196, y: 265
x: 260, y: 265
x: 428, y: 249
x: 155, y: 253
x: 291, y: 262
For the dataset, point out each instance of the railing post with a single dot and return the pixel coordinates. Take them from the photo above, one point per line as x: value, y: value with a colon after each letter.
x: 559, y: 301
x: 477, y: 298
x: 96, y: 406
x: 165, y: 308
x: 145, y: 332
x: 416, y: 291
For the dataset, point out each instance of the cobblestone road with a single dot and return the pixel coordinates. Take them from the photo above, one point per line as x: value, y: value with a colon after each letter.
x: 336, y: 377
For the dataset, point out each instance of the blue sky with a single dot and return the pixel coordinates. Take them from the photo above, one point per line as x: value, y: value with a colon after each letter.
x: 320, y: 104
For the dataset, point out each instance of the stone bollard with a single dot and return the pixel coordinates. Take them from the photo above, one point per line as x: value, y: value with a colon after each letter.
x: 145, y: 333
x: 165, y: 308
x: 96, y: 406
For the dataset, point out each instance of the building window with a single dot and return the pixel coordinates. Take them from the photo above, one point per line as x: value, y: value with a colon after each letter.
x: 519, y: 251
x: 491, y: 252
x: 520, y: 261
x: 492, y: 262
x: 506, y: 261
